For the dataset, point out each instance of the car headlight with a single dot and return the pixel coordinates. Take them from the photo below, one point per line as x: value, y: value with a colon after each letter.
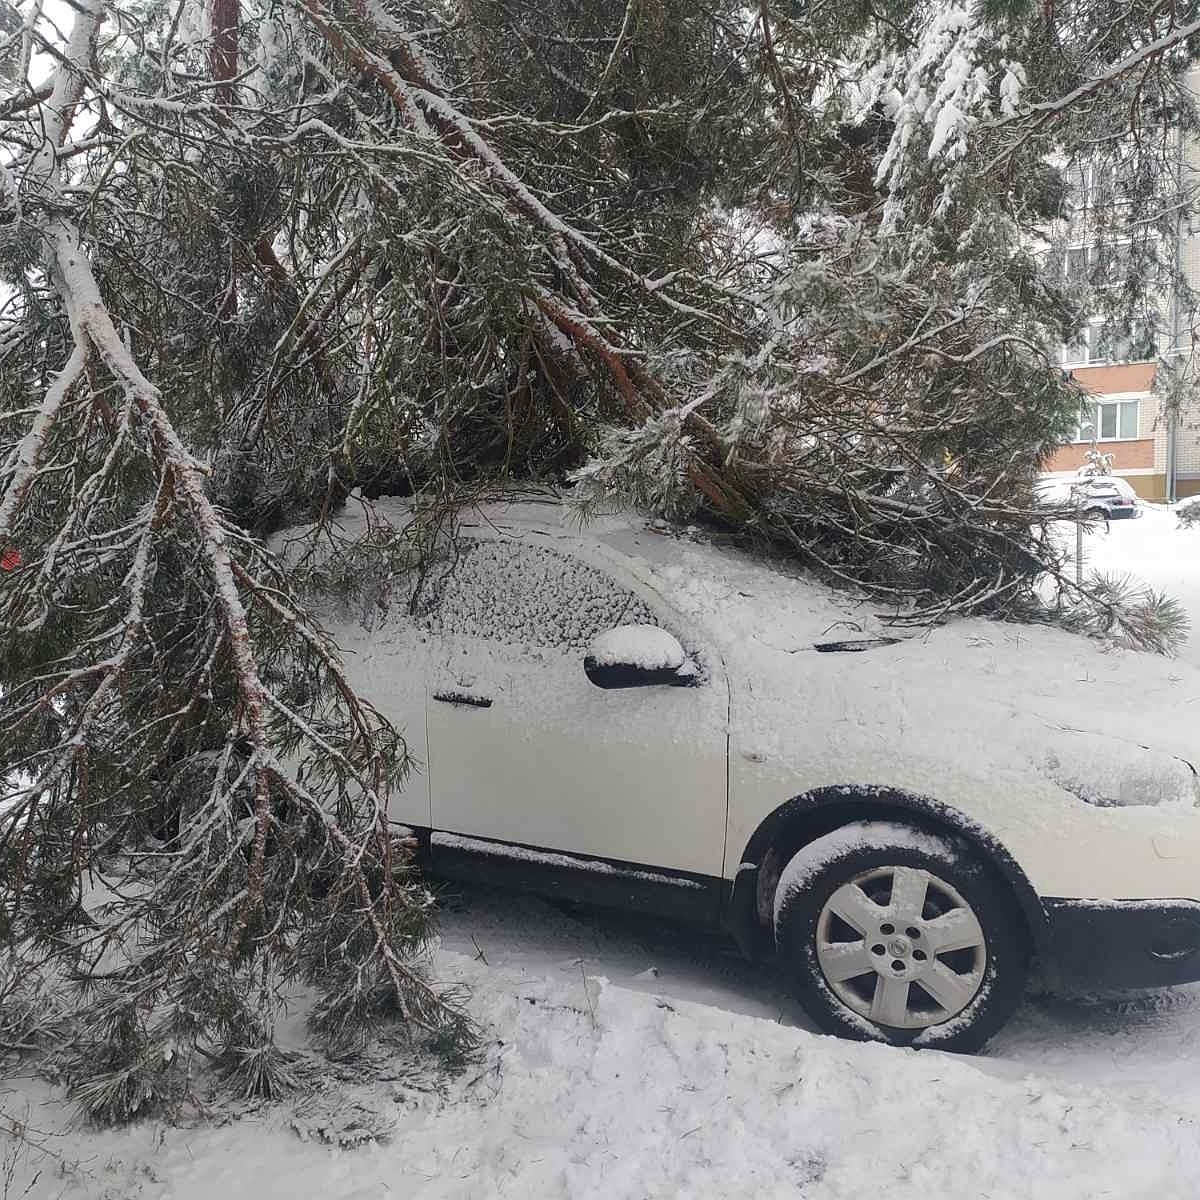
x: 1111, y: 773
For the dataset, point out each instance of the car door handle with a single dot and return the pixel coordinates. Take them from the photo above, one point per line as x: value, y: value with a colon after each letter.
x: 463, y: 698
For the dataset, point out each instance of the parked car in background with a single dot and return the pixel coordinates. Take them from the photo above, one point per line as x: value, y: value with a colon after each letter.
x: 1096, y: 497
x: 903, y: 823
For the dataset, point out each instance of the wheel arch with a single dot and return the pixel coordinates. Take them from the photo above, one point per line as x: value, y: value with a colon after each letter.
x: 812, y: 814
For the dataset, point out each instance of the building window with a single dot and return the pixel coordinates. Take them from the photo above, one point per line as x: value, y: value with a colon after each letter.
x: 1100, y: 344
x: 1097, y: 184
x: 1080, y: 350
x: 1098, y: 264
x: 1108, y: 421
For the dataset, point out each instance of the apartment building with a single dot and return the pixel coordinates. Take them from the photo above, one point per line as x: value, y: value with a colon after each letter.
x: 1125, y: 421
x: 1159, y: 454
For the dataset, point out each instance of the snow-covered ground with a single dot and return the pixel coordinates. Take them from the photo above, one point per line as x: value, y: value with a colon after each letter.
x: 593, y: 1089
x: 629, y: 1059
x: 1155, y: 550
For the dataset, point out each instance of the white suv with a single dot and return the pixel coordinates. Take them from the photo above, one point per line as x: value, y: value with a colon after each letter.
x: 905, y: 821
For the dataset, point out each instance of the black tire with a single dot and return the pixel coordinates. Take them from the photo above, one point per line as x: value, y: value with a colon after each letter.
x: 1097, y: 514
x: 877, y: 853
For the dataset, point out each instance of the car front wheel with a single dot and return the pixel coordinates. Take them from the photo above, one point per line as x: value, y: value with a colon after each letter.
x: 889, y: 933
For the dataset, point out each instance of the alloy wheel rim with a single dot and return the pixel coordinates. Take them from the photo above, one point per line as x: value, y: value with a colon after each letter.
x: 900, y: 947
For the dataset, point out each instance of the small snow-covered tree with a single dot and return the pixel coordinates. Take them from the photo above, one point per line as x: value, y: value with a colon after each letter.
x: 1096, y: 462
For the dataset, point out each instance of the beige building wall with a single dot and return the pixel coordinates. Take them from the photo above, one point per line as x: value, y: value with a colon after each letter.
x: 1144, y: 461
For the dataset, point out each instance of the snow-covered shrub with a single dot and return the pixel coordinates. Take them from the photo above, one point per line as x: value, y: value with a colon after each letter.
x: 1189, y: 513
x: 1097, y: 462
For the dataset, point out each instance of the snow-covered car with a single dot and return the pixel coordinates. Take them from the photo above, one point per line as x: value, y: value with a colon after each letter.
x: 906, y: 822
x: 1098, y: 497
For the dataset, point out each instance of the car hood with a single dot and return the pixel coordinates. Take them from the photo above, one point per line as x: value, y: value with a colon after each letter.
x: 1109, y: 725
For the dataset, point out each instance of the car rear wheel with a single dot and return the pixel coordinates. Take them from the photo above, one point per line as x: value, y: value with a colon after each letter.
x: 888, y: 933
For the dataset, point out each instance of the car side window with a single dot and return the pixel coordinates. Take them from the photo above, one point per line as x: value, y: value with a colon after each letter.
x: 524, y: 594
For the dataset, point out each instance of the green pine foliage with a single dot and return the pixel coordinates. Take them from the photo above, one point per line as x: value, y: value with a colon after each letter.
x: 776, y: 266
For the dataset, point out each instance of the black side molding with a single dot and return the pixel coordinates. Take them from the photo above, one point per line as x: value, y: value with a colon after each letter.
x: 607, y: 883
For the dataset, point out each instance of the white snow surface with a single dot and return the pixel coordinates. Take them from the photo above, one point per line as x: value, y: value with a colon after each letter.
x: 586, y: 1089
x: 1153, y: 550
x: 645, y: 646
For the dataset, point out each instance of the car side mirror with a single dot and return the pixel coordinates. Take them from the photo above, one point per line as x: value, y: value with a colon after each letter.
x: 638, y: 656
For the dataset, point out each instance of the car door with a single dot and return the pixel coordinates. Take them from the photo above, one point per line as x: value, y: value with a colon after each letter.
x: 386, y: 657
x: 524, y: 749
